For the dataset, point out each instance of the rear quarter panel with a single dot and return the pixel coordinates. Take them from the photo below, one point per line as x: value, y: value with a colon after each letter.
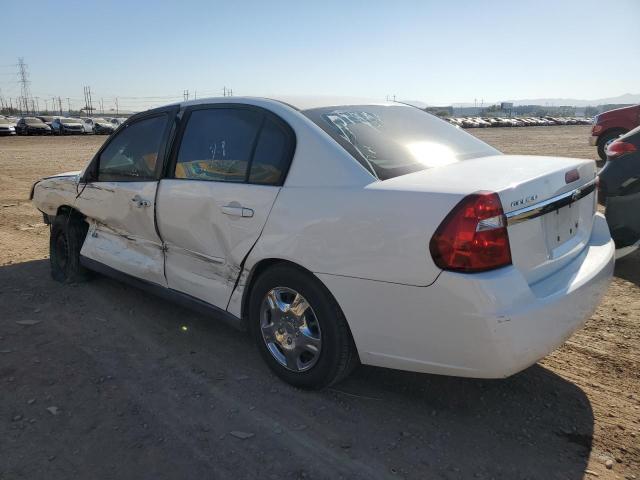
x: 357, y: 232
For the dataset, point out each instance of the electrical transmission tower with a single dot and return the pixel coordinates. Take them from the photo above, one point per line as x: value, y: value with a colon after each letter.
x: 87, y: 101
x: 23, y: 79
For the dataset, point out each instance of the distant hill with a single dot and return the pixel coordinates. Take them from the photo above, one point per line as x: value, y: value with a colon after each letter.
x: 575, y: 102
x: 626, y: 98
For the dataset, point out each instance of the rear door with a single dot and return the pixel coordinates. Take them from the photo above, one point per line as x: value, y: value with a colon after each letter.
x: 119, y: 198
x: 227, y: 169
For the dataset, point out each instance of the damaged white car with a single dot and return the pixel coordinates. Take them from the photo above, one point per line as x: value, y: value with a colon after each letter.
x: 339, y: 231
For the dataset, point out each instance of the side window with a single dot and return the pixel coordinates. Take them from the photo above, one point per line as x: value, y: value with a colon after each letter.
x: 217, y: 144
x: 132, y: 154
x: 272, y: 155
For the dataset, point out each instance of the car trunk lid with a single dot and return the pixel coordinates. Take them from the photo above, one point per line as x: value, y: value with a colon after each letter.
x: 549, y: 203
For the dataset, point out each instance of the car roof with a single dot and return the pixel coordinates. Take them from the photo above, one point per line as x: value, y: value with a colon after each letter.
x: 298, y: 102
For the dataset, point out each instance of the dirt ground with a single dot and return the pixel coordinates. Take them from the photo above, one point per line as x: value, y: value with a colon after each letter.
x: 105, y: 381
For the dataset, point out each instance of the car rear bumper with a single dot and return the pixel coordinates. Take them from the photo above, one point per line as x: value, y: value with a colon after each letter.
x: 593, y: 140
x: 485, y: 325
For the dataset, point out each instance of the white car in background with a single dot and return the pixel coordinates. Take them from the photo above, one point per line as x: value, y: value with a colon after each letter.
x: 87, y: 124
x: 340, y: 230
x: 67, y: 126
x: 7, y: 127
x: 116, y: 122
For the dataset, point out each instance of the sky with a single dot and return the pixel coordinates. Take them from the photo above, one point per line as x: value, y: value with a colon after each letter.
x: 147, y: 53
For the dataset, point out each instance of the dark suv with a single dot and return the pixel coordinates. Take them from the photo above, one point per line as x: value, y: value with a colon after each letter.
x: 32, y: 126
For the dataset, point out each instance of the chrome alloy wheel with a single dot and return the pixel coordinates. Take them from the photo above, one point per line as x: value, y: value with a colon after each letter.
x: 290, y: 329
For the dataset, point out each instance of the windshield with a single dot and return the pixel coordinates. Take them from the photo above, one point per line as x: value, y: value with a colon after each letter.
x: 46, y: 119
x: 99, y: 120
x: 390, y: 141
x: 33, y: 121
x: 69, y: 120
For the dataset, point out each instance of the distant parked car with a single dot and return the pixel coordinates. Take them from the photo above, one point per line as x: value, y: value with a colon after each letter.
x: 47, y: 119
x: 102, y: 126
x: 620, y: 191
x: 6, y: 127
x: 87, y: 125
x: 67, y: 126
x: 32, y: 126
x: 610, y: 125
x: 469, y: 123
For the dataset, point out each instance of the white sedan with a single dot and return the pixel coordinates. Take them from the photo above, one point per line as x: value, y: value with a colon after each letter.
x: 339, y: 231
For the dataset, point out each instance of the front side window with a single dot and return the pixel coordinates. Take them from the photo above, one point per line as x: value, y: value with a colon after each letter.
x: 390, y: 141
x: 133, y: 153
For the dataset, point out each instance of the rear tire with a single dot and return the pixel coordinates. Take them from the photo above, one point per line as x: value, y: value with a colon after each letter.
x: 67, y: 237
x: 335, y: 356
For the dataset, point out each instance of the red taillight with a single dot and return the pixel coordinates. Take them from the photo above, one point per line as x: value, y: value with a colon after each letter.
x: 473, y: 237
x: 618, y: 148
x: 571, y: 176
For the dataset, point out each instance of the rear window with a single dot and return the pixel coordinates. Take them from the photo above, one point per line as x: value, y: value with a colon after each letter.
x: 390, y: 141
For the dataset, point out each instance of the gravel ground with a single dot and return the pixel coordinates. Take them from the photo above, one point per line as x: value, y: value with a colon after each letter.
x: 100, y: 380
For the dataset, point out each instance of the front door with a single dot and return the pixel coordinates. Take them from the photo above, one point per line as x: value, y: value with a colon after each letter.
x: 119, y: 201
x: 226, y: 173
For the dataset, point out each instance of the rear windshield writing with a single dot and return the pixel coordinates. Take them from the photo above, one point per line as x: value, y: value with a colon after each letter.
x: 395, y: 140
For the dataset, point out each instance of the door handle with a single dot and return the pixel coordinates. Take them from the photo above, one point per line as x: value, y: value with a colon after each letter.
x: 141, y: 202
x: 237, y: 211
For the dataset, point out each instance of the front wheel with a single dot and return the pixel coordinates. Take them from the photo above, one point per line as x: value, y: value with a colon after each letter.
x: 67, y: 237
x: 299, y: 328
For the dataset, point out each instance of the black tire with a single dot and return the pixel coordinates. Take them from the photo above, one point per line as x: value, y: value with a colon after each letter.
x: 67, y: 236
x: 606, y: 138
x: 338, y: 355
